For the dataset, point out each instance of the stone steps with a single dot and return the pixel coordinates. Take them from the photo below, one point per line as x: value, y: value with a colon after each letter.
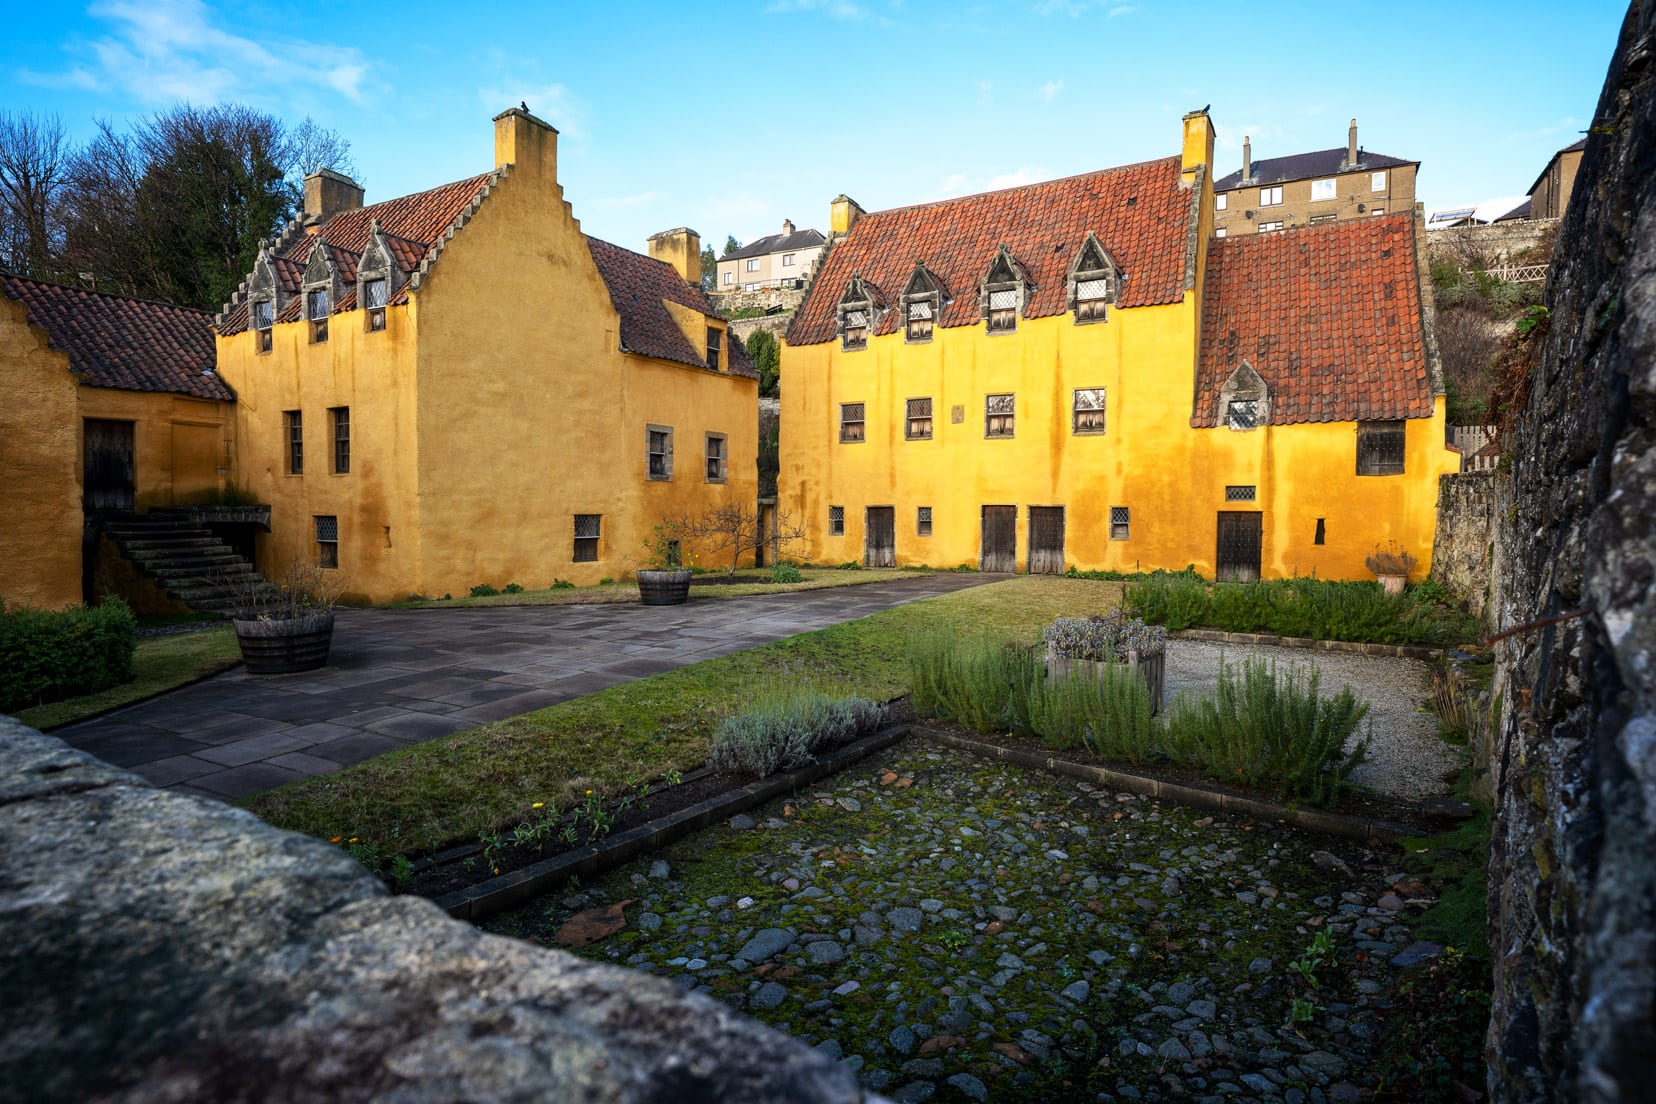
x: 186, y: 560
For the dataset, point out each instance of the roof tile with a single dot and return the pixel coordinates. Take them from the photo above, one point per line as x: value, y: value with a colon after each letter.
x: 637, y: 286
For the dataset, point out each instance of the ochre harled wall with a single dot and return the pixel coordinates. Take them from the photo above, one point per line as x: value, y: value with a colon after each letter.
x: 181, y: 446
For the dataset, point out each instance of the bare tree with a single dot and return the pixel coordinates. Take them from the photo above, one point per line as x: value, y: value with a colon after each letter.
x: 1468, y: 341
x: 736, y: 528
x: 33, y: 157
x: 312, y: 146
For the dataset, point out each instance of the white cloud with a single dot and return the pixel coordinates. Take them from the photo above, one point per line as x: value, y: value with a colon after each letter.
x: 1050, y: 89
x: 834, y: 9
x: 1231, y: 137
x: 164, y: 50
x: 1121, y: 10
x: 640, y: 200
x: 551, y: 102
x: 1023, y: 174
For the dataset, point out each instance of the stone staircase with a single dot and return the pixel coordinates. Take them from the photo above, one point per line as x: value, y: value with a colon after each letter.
x: 180, y: 553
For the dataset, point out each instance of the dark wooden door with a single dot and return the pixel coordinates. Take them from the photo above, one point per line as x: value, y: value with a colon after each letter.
x: 1046, y: 540
x: 1239, y: 545
x: 880, y: 537
x: 108, y: 482
x: 1000, y: 539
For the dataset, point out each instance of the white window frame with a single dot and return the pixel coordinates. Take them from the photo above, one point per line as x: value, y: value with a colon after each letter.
x: 1323, y: 190
x: 753, y: 264
x: 788, y: 260
x: 1267, y: 227
x: 730, y: 277
x: 1377, y: 181
x: 1219, y: 233
x: 1271, y: 197
x: 1219, y: 201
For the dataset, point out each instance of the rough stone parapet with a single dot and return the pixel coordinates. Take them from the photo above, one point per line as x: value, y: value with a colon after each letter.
x: 774, y: 324
x: 1469, y: 509
x: 777, y: 299
x: 160, y: 947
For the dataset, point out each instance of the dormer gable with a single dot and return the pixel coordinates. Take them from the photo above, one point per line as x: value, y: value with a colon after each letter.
x: 857, y: 313
x: 1245, y: 399
x: 1004, y: 292
x: 321, y: 290
x: 265, y: 296
x: 1093, y: 283
x: 379, y: 277
x: 924, y: 297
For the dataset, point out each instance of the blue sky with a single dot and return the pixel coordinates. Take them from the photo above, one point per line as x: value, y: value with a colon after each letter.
x: 730, y: 117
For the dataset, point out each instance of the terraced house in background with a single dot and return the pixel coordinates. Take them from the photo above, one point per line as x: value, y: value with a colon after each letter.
x: 1307, y: 189
x: 783, y: 260
x: 1077, y: 373
x: 459, y: 386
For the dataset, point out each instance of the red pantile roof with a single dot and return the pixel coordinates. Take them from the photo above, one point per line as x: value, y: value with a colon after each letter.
x: 637, y: 286
x: 1139, y: 212
x: 121, y: 343
x: 1329, y: 316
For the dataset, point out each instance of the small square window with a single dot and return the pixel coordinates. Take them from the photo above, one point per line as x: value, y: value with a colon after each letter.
x: 1219, y: 233
x: 1003, y: 311
x: 374, y: 297
x: 1322, y: 533
x: 1380, y: 447
x: 1377, y: 210
x: 1242, y: 414
x: 1265, y: 227
x: 1317, y: 220
x: 1119, y: 519
x: 340, y: 417
x: 1088, y: 415
x: 999, y: 412
x: 836, y: 521
x: 851, y: 422
x: 729, y: 278
x: 920, y: 321
x: 587, y: 529
x: 264, y: 314
x: 1270, y: 197
x: 1377, y: 182
x: 1240, y: 494
x: 293, y: 431
x: 753, y: 264
x: 715, y: 342
x: 316, y: 309
x: 855, y: 329
x: 918, y: 420
x: 1220, y: 201
x: 751, y: 287
x: 716, y: 457
x: 788, y: 260
x: 922, y: 521
x: 327, y: 540
x: 658, y: 449
x: 1092, y: 299
x: 1322, y: 189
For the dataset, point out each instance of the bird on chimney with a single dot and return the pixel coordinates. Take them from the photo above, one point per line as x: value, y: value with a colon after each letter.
x: 524, y: 104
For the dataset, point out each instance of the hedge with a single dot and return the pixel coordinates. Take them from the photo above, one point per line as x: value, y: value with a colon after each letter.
x: 48, y: 655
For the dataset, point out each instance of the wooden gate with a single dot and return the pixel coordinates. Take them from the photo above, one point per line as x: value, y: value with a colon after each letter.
x: 1046, y: 540
x: 880, y: 537
x: 1000, y: 539
x: 1239, y: 545
x: 107, y: 483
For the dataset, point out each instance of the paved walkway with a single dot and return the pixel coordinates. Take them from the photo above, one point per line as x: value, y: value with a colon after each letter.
x: 397, y: 677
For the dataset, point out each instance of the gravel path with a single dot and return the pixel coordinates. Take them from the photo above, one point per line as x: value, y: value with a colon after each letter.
x: 1406, y: 760
x: 957, y: 929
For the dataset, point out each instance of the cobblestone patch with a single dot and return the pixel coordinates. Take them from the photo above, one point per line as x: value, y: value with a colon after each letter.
x: 957, y: 929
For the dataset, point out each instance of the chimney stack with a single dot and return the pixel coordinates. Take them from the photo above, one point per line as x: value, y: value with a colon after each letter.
x: 327, y: 194
x: 526, y: 143
x: 1247, y: 159
x: 1351, y: 146
x: 843, y: 214
x: 787, y: 226
x: 680, y: 248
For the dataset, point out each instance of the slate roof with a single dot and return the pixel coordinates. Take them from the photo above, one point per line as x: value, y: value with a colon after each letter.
x: 778, y: 243
x: 122, y: 343
x: 1139, y: 213
x: 1522, y: 211
x: 1307, y: 166
x: 637, y: 285
x: 1328, y: 315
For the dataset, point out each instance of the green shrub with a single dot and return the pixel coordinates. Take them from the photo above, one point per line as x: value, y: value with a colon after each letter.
x: 1272, y: 731
x: 786, y: 727
x: 786, y: 573
x: 1176, y: 600
x: 483, y: 590
x: 1108, y: 713
x: 511, y: 588
x: 1303, y: 607
x: 850, y: 565
x: 985, y: 685
x: 49, y: 655
x: 561, y: 584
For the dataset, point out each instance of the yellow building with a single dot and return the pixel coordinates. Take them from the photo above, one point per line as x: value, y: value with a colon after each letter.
x: 459, y: 387
x: 1076, y: 373
x: 113, y: 406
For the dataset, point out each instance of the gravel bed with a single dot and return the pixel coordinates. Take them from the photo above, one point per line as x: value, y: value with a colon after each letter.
x: 957, y: 929
x: 1406, y: 758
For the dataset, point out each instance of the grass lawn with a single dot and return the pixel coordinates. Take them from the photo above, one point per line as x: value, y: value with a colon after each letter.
x: 159, y: 664
x: 452, y: 789
x: 815, y: 578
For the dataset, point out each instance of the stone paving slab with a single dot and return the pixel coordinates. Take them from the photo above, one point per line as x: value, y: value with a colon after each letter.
x: 397, y: 677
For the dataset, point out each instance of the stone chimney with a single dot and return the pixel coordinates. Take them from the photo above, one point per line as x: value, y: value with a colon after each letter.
x: 680, y: 248
x: 1351, y: 146
x: 787, y: 226
x: 1198, y: 146
x: 327, y: 194
x: 843, y: 214
x: 526, y: 143
x: 1247, y: 159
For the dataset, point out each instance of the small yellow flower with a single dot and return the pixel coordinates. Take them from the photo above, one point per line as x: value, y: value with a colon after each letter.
x: 589, y: 792
x: 356, y: 839
x: 538, y: 805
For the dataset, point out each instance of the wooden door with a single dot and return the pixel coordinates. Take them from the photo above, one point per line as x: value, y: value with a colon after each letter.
x: 880, y: 537
x: 108, y: 483
x: 1046, y: 540
x: 1000, y: 539
x: 1239, y: 545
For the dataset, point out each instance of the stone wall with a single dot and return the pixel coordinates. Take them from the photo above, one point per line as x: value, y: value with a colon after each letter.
x: 1499, y: 241
x: 1573, y: 881
x: 1467, y: 511
x: 777, y: 324
x: 159, y: 947
x: 762, y: 299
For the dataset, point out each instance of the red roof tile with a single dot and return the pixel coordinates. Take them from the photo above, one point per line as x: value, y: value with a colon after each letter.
x: 1139, y: 212
x: 1329, y: 316
x: 637, y: 285
x: 121, y: 343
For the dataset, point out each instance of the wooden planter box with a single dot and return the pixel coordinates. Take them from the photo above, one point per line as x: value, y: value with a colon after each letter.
x: 664, y: 588
x: 281, y: 647
x: 1152, y: 669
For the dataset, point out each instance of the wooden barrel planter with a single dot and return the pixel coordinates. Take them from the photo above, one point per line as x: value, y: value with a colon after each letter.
x: 664, y: 588
x: 1152, y: 669
x: 281, y: 647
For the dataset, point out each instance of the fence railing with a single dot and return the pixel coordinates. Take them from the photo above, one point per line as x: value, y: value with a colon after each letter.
x: 1519, y: 274
x: 1471, y: 440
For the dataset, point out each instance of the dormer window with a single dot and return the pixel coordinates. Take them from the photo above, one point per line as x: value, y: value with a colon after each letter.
x: 856, y: 329
x: 715, y: 339
x: 375, y: 294
x: 920, y: 321
x: 316, y: 310
x: 1093, y: 281
x: 1244, y: 400
x: 1003, y: 293
x: 264, y: 315
x: 856, y: 314
x: 1003, y: 311
x: 923, y: 300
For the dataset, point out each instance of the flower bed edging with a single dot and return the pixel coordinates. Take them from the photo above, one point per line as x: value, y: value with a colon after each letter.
x: 1405, y: 651
x: 479, y: 902
x: 1335, y: 824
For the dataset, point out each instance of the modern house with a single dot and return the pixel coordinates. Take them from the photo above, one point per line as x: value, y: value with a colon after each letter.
x: 1306, y: 189
x: 1550, y: 194
x: 782, y: 260
x: 460, y: 387
x: 1077, y: 372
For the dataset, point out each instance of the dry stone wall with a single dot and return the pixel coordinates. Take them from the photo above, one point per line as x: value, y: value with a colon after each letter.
x: 1462, y: 547
x: 1573, y: 900
x: 159, y: 947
